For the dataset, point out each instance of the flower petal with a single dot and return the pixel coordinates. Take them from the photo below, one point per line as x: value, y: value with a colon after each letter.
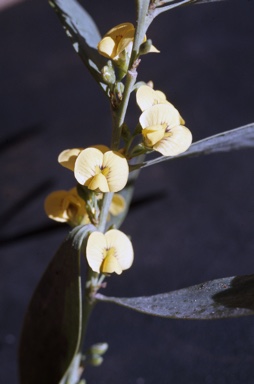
x: 68, y: 157
x: 116, y: 40
x: 53, y: 206
x: 153, y: 135
x: 95, y: 249
x: 107, y: 47
x: 123, y: 247
x: 178, y: 142
x: 86, y: 163
x: 117, y: 205
x: 110, y: 264
x: 160, y: 114
x: 118, y: 170
x: 98, y: 182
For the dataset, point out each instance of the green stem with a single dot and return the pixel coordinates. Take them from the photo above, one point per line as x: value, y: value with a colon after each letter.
x: 107, y: 198
x: 119, y: 115
x: 88, y: 304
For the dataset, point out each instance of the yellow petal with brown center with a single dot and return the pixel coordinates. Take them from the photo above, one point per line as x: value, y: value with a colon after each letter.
x: 118, y: 170
x: 87, y: 163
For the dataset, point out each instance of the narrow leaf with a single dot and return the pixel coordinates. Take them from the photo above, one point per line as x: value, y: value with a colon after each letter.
x: 206, y: 1
x: 52, y: 326
x: 83, y: 33
x: 238, y: 138
x: 216, y: 299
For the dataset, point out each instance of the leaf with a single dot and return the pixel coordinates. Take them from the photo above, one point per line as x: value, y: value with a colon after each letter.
x: 216, y: 299
x: 238, y: 138
x: 83, y: 33
x: 206, y: 1
x: 52, y: 327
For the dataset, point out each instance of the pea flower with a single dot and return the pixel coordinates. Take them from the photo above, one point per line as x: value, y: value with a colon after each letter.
x: 146, y: 97
x: 66, y: 207
x: 101, y: 171
x: 119, y: 40
x: 162, y: 130
x: 109, y: 252
x: 68, y: 157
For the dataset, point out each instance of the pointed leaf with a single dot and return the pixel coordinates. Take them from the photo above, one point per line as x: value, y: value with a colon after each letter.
x: 83, y: 33
x: 238, y: 138
x: 216, y: 299
x: 52, y: 326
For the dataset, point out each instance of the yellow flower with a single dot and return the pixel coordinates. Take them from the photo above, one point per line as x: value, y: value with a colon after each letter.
x: 147, y: 97
x: 109, y: 252
x: 119, y: 40
x: 66, y: 206
x: 101, y: 172
x: 162, y: 131
x: 68, y: 157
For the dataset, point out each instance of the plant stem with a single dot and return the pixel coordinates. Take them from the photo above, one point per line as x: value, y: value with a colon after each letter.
x: 107, y: 198
x: 119, y: 115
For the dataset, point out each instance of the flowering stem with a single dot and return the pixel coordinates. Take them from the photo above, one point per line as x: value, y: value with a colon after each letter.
x: 107, y: 198
x: 119, y: 115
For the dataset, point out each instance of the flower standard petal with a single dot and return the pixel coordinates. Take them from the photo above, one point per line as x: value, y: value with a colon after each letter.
x: 95, y: 250
x: 178, y: 141
x: 160, y: 114
x: 122, y: 246
x: 68, y: 157
x: 86, y: 165
x: 118, y: 170
x: 147, y: 97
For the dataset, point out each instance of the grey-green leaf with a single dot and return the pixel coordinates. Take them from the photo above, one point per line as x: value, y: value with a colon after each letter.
x: 216, y: 299
x: 83, y: 32
x: 52, y: 326
x: 238, y: 138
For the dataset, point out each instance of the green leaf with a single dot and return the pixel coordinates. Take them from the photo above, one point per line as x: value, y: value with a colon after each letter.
x: 52, y: 327
x: 216, y: 299
x: 83, y: 33
x: 238, y: 138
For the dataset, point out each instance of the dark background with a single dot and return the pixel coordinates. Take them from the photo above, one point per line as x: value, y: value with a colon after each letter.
x: 199, y: 224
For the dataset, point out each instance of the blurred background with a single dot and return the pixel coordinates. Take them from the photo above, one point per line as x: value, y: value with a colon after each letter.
x: 191, y: 220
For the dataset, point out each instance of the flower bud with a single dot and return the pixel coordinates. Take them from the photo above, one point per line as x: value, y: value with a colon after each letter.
x: 98, y: 349
x: 108, y: 73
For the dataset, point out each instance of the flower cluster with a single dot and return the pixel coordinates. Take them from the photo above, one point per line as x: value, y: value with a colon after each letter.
x: 162, y: 126
x: 100, y: 170
x: 68, y: 207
